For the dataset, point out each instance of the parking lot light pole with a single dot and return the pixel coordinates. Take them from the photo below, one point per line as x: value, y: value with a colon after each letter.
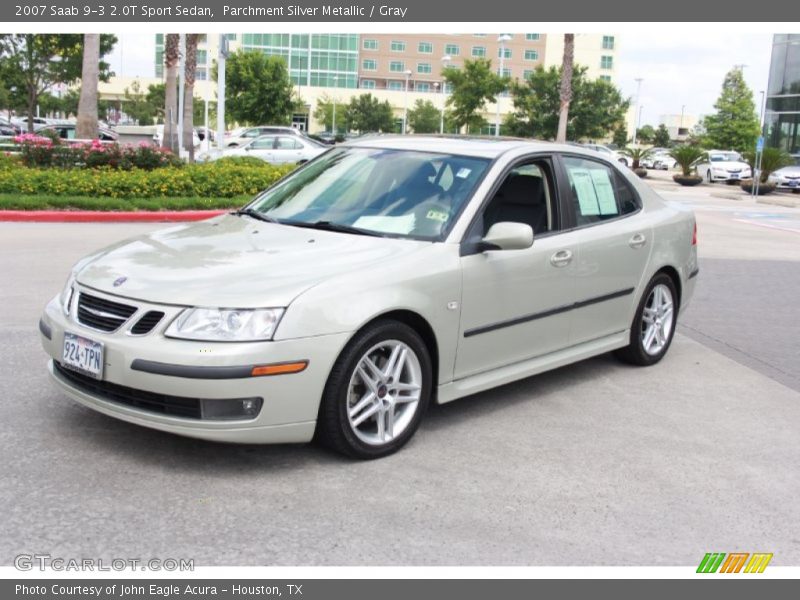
x: 502, y: 40
x: 445, y: 61
x: 638, y: 111
x: 222, y: 55
x: 407, y: 73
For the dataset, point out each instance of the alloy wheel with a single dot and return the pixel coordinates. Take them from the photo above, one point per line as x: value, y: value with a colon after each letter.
x: 657, y: 319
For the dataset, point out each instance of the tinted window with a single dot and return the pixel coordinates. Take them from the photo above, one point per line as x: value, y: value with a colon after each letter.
x: 263, y: 143
x: 525, y: 196
x: 598, y: 192
x: 285, y: 143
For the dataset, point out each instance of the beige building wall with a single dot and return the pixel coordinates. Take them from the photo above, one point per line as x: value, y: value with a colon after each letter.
x: 592, y: 50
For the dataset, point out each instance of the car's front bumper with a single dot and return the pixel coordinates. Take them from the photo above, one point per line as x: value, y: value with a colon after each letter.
x: 202, y: 370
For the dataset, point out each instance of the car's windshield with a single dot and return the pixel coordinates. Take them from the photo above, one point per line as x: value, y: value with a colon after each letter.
x: 726, y: 157
x: 393, y: 192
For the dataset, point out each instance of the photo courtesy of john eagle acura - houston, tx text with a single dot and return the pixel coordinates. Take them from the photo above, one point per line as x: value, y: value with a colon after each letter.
x: 384, y: 275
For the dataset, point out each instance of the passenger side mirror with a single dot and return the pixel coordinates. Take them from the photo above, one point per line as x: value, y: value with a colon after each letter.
x: 507, y: 235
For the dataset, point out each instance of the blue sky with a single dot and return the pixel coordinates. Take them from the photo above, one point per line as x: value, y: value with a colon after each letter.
x: 677, y: 68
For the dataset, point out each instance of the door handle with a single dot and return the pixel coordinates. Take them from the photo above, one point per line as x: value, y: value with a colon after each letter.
x: 637, y: 241
x: 561, y: 258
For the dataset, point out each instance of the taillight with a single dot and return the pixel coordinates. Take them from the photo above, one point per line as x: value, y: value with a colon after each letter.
x: 694, y: 235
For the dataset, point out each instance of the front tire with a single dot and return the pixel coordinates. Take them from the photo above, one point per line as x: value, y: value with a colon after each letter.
x: 653, y: 324
x: 377, y: 392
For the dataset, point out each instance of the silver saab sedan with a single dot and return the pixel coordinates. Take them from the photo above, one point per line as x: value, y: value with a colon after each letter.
x: 382, y: 276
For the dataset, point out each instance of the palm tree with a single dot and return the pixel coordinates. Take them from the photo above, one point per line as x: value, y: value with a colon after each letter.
x: 565, y: 92
x: 686, y: 157
x: 190, y: 66
x: 86, y: 126
x: 637, y: 155
x: 171, y: 58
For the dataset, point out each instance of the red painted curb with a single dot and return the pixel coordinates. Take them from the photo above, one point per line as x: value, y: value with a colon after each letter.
x: 99, y: 216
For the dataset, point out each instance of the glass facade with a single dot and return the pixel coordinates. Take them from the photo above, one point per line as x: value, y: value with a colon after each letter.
x: 782, y: 118
x: 314, y: 59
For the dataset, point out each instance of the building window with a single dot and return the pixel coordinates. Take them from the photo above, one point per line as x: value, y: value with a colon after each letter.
x: 608, y: 42
x: 370, y: 44
x: 532, y: 37
x: 605, y: 78
x: 369, y: 64
x: 398, y: 46
x: 506, y: 72
x: 425, y: 48
x: 452, y: 50
x: 479, y: 51
x: 368, y: 84
x: 479, y: 34
x: 606, y: 62
x: 527, y: 74
x: 423, y: 87
x: 531, y: 55
x: 397, y: 66
x: 396, y: 86
x: 424, y: 68
x: 504, y: 53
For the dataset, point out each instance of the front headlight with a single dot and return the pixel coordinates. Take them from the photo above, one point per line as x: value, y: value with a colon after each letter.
x: 65, y: 298
x: 226, y: 324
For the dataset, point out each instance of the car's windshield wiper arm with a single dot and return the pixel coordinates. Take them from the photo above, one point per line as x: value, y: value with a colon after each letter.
x: 256, y: 215
x: 338, y: 227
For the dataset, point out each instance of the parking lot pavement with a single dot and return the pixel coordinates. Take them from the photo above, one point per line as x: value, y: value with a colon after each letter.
x: 596, y: 463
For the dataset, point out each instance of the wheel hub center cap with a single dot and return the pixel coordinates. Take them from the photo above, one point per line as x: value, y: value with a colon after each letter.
x: 382, y: 391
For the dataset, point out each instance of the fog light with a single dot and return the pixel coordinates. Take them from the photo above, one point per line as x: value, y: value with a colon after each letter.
x: 231, y: 408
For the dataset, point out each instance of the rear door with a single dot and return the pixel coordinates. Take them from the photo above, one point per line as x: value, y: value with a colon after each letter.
x: 287, y: 150
x: 263, y: 148
x: 614, y: 246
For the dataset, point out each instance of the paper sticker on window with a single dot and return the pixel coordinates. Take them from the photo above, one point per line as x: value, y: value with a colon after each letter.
x: 584, y: 188
x: 463, y: 173
x: 437, y: 215
x: 403, y: 224
x: 604, y: 192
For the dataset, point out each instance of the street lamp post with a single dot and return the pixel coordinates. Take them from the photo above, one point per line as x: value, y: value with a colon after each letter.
x: 638, y: 112
x: 502, y: 40
x: 407, y: 73
x: 445, y: 60
x: 333, y: 125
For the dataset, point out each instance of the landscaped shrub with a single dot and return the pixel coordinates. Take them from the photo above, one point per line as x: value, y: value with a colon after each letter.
x: 213, y: 180
x: 47, y: 151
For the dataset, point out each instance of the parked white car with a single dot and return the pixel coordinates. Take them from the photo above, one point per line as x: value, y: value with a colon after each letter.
x: 243, y: 135
x: 663, y: 161
x: 158, y: 136
x: 609, y: 153
x: 787, y: 178
x: 722, y: 165
x: 280, y: 149
x: 388, y: 274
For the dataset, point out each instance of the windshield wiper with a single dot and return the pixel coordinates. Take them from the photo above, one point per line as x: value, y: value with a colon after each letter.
x: 249, y: 212
x: 338, y: 227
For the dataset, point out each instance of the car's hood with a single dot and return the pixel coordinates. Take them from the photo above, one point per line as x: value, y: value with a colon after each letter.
x: 793, y: 171
x: 233, y: 261
x: 729, y: 164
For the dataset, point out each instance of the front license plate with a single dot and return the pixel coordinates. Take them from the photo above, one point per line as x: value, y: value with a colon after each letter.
x: 734, y: 176
x: 83, y: 354
x: 794, y: 183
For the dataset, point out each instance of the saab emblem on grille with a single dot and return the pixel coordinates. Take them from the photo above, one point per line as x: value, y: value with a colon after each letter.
x: 119, y: 281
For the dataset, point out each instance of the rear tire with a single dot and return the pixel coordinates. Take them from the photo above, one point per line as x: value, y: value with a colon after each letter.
x: 653, y: 325
x: 377, y: 392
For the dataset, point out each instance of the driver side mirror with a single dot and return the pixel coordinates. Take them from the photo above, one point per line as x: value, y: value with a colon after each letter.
x: 507, y: 235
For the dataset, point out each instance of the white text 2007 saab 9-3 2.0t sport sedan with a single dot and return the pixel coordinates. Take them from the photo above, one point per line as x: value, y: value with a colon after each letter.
x: 384, y: 275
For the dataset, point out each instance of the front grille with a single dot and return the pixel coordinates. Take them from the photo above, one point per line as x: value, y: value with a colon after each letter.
x: 176, y: 406
x: 147, y: 322
x: 102, y: 314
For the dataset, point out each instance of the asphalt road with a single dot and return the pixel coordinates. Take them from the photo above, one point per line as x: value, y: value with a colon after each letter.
x: 593, y: 464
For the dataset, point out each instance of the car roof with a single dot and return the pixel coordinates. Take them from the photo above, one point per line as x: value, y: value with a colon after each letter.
x: 486, y: 147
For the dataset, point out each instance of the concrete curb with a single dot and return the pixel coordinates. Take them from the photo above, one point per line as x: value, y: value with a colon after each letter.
x: 780, y: 201
x: 99, y: 216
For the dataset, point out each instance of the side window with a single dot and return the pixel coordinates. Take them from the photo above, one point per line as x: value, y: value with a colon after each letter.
x: 598, y: 192
x: 525, y: 196
x: 252, y: 133
x: 286, y: 143
x: 264, y: 143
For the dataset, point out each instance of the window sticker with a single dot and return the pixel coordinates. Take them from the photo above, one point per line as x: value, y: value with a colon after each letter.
x: 437, y: 215
x: 463, y: 173
x: 587, y: 197
x: 403, y: 224
x: 604, y: 191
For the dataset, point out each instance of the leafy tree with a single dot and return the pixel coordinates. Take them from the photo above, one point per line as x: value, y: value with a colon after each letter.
x: 661, y: 137
x: 565, y: 90
x: 637, y: 155
x: 36, y: 62
x: 323, y: 113
x: 620, y: 138
x: 596, y: 107
x: 138, y: 107
x: 366, y: 113
x: 424, y: 117
x: 772, y: 159
x: 472, y: 87
x: 645, y: 134
x: 686, y: 156
x: 258, y: 89
x: 734, y: 125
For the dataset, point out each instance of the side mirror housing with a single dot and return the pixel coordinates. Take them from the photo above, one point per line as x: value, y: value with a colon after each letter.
x: 507, y: 235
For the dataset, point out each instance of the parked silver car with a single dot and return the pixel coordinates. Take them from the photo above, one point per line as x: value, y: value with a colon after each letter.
x: 280, y: 149
x: 244, y: 135
x: 387, y: 274
x: 787, y: 178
